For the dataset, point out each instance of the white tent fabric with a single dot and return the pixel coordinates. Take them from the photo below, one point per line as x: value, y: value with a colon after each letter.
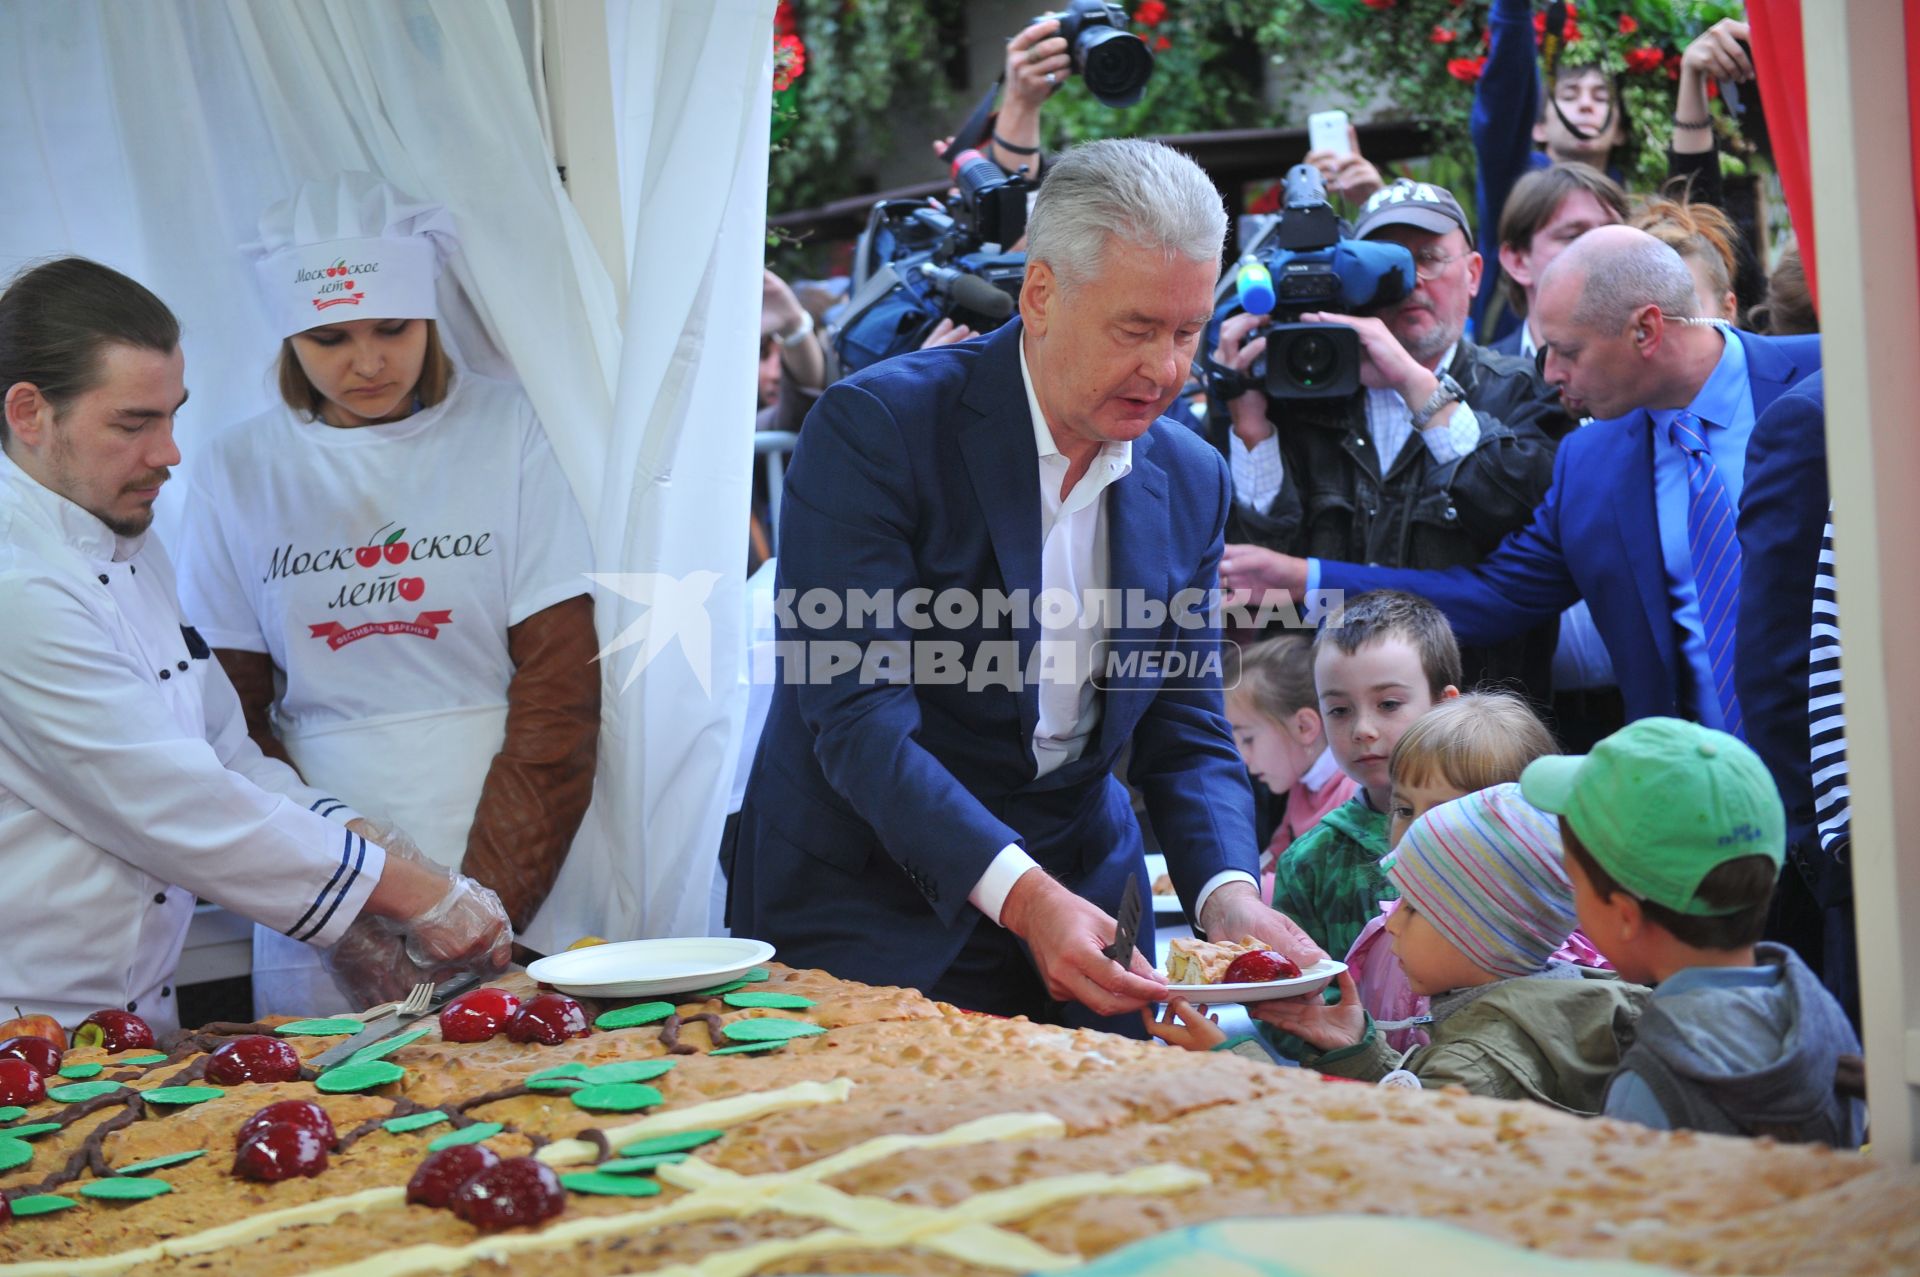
x: 150, y: 136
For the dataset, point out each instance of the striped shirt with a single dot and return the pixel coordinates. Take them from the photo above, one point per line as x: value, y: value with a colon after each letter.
x: 1826, y: 709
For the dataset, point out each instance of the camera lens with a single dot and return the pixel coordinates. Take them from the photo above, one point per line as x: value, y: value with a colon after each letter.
x: 1115, y: 64
x: 1310, y: 359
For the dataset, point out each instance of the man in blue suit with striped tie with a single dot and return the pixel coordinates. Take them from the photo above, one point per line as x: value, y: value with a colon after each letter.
x: 1639, y: 520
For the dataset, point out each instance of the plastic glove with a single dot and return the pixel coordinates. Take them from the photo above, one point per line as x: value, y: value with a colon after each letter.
x: 394, y: 841
x: 467, y: 929
x: 369, y: 964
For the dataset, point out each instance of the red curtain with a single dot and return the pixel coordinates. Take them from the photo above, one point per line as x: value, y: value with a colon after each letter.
x: 1779, y: 58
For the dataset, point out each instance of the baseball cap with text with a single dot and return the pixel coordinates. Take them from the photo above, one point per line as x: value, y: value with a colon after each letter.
x: 1421, y: 205
x: 1660, y: 804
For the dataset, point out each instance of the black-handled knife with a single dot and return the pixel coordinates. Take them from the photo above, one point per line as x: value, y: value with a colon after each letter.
x: 1128, y: 930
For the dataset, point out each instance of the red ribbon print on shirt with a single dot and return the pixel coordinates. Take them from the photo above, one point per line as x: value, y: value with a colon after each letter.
x: 426, y: 625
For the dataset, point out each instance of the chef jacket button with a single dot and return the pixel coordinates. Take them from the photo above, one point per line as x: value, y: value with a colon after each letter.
x: 103, y: 578
x: 183, y: 667
x: 166, y: 674
x: 159, y: 897
x: 166, y: 990
x: 133, y: 1006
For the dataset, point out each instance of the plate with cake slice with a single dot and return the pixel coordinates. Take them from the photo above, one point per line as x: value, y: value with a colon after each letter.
x: 1164, y: 898
x: 1243, y: 970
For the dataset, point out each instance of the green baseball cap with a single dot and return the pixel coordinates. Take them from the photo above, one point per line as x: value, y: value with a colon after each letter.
x: 1661, y: 803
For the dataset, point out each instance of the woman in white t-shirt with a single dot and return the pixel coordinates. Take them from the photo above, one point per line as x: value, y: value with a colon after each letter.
x: 392, y: 567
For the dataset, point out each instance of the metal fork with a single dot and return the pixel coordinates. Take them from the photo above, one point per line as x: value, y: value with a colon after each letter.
x: 418, y: 999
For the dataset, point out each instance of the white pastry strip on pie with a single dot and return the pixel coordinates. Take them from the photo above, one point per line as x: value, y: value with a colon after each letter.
x: 732, y: 1111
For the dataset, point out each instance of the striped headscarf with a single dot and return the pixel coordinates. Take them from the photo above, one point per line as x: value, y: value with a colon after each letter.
x: 1485, y: 870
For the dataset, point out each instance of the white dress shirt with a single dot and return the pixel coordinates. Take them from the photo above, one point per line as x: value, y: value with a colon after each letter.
x: 1453, y: 433
x: 1073, y: 559
x: 128, y: 783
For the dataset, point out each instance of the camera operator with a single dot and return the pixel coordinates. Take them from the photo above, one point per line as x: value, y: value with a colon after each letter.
x: 1445, y: 450
x: 1038, y: 63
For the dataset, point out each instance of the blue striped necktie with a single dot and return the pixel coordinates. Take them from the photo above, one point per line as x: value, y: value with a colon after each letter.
x: 1715, y: 548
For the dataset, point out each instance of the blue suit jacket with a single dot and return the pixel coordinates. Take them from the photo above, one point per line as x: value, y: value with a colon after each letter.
x: 1783, y: 512
x: 1595, y: 537
x: 873, y: 809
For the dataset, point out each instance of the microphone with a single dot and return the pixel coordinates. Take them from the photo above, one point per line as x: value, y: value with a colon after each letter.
x: 1255, y: 283
x: 970, y: 291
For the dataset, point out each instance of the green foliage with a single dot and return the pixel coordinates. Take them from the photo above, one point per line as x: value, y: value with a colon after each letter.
x: 864, y: 60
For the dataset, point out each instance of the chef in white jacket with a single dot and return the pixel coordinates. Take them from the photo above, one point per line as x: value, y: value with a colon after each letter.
x: 128, y: 782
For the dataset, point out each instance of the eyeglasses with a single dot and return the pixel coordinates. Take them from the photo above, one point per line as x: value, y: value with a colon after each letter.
x: 1429, y: 265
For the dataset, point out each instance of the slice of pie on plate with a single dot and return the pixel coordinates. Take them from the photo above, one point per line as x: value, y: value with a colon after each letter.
x: 1206, y: 961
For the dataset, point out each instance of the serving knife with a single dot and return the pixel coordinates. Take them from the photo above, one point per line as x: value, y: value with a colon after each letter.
x: 387, y: 1025
x: 1128, y: 928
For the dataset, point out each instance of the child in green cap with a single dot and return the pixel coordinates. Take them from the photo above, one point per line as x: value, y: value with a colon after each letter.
x: 1674, y: 834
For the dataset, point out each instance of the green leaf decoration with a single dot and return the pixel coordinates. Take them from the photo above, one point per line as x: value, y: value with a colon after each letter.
x: 78, y: 1071
x: 554, y: 1083
x: 79, y: 1091
x: 634, y: 1016
x: 320, y: 1028
x: 29, y: 1130
x: 359, y: 1075
x: 141, y: 1060
x: 719, y: 989
x: 415, y: 1121
x: 466, y: 1135
x: 617, y: 1097
x: 125, y: 1190
x: 628, y: 1071
x: 381, y: 1050
x: 183, y: 1094
x: 751, y: 1048
x: 639, y: 1165
x: 764, y: 1029
x: 610, y: 1185
x: 11, y: 1111
x: 769, y: 1001
x: 574, y: 1072
x: 395, y: 537
x: 40, y: 1204
x: 676, y: 1143
x: 14, y: 1153
x: 157, y: 1163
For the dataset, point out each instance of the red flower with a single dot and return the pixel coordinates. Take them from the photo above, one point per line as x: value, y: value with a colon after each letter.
x: 1467, y: 69
x: 1162, y: 45
x: 1443, y: 35
x: 784, y: 22
x: 1713, y: 89
x: 1540, y: 25
x: 789, y: 62
x: 1151, y: 13
x: 1645, y: 59
x: 1673, y: 66
x: 1628, y: 24
x: 1378, y: 4
x: 1268, y: 201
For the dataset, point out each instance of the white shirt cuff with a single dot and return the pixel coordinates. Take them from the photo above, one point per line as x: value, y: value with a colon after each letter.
x: 1218, y: 881
x: 1313, y: 580
x: 1455, y: 436
x: 1258, y: 471
x: 989, y: 895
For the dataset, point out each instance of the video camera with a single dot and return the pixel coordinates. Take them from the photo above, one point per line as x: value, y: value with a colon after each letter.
x: 1306, y: 262
x: 916, y: 265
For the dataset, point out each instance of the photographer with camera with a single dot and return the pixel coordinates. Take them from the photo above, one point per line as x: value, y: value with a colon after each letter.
x: 1443, y: 450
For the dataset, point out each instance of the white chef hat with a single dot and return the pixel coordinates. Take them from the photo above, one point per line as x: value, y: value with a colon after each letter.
x: 350, y: 246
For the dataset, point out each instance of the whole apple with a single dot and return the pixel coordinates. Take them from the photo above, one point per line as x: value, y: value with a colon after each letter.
x: 114, y: 1030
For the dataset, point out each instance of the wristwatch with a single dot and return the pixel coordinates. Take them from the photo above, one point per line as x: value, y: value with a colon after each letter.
x: 789, y: 340
x: 1448, y: 391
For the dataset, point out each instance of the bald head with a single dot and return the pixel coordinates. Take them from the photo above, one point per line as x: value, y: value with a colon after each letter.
x: 1613, y: 271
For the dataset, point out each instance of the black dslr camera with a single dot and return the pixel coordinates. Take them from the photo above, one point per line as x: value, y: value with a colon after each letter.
x: 1114, y: 62
x: 1307, y: 262
x: 916, y: 265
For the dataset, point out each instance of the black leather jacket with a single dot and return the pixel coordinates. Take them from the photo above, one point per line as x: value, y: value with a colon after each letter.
x: 1335, y: 504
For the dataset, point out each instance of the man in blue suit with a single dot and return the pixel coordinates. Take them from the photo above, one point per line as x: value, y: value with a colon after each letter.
x: 933, y: 801
x: 1634, y: 493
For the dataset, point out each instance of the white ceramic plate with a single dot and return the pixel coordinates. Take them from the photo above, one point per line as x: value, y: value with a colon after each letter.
x: 1157, y: 865
x: 1314, y: 978
x: 636, y: 968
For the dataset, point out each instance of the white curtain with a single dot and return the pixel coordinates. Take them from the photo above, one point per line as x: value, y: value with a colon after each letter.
x: 151, y: 135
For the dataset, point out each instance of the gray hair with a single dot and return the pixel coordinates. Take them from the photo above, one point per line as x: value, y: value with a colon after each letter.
x: 1127, y: 188
x: 1625, y: 270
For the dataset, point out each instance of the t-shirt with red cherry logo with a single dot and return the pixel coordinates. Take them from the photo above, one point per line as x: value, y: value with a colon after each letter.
x: 381, y: 566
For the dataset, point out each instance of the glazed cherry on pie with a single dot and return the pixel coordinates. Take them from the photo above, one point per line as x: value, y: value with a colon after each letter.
x: 477, y: 1016
x: 292, y: 1112
x: 436, y: 1180
x: 519, y: 1190
x: 549, y: 1019
x: 280, y: 1150
x: 253, y: 1059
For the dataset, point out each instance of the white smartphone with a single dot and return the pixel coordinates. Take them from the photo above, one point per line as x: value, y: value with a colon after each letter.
x: 1327, y: 131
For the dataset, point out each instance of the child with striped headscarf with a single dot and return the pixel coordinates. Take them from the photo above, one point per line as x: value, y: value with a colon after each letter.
x: 1485, y: 905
